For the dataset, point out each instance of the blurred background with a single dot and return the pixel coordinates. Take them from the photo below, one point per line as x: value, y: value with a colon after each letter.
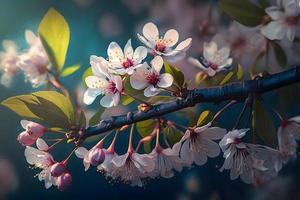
x: 94, y: 24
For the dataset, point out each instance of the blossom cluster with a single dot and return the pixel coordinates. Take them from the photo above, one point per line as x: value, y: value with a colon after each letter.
x: 34, y: 62
x: 109, y: 74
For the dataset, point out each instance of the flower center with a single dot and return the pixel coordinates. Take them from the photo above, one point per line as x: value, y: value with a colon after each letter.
x: 237, y: 141
x: 161, y: 47
x: 152, y: 78
x: 127, y: 63
x: 210, y: 64
x: 292, y: 20
x: 111, y: 87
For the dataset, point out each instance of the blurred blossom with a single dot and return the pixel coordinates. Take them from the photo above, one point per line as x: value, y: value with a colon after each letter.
x: 84, y: 3
x: 137, y: 6
x: 8, y: 178
x: 8, y: 62
x: 192, y: 184
x: 110, y: 25
x: 245, y: 43
x: 34, y: 63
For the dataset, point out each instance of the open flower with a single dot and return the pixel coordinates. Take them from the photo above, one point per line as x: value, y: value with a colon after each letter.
x: 8, y: 62
x: 288, y: 133
x: 150, y: 79
x: 198, y: 144
x: 214, y: 59
x: 103, y: 82
x: 34, y: 63
x: 166, y: 160
x: 284, y: 20
x: 125, y: 62
x: 132, y: 167
x: 32, y: 132
x: 249, y: 161
x: 163, y: 46
x: 43, y: 160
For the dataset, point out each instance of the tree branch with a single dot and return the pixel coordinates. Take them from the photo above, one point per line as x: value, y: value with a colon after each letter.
x: 232, y: 91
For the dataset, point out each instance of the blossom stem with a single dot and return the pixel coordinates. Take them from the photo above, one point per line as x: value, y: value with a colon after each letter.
x: 54, y: 144
x: 233, y: 91
x: 69, y: 156
x: 130, y: 148
x: 111, y: 147
x: 246, y: 104
x: 223, y: 109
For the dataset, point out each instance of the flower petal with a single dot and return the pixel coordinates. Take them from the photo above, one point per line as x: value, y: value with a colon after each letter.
x: 115, y: 53
x: 184, y: 45
x: 151, y: 91
x: 128, y: 50
x: 81, y: 152
x: 273, y: 30
x: 140, y: 54
x: 120, y: 161
x: 90, y: 95
x: 107, y: 101
x: 41, y: 144
x: 157, y: 63
x: 165, y: 80
x: 150, y: 31
x: 171, y: 37
x: 274, y: 12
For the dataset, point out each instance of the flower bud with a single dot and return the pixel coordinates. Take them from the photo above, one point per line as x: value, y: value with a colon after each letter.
x: 96, y: 156
x: 35, y: 130
x: 58, y: 169
x: 64, y: 181
x: 25, y: 139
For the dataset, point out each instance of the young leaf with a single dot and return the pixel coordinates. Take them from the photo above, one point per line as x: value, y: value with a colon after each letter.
x: 172, y: 135
x: 243, y: 11
x: 227, y: 78
x: 203, y: 118
x: 263, y: 124
x: 240, y: 72
x: 176, y: 73
x: 70, y: 70
x: 279, y: 54
x: 126, y: 100
x: 146, y: 127
x: 55, y: 34
x: 95, y: 119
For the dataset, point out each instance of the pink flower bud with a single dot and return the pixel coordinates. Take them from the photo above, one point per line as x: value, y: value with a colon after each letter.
x: 64, y: 181
x: 35, y: 130
x: 58, y: 169
x: 96, y: 156
x: 25, y: 139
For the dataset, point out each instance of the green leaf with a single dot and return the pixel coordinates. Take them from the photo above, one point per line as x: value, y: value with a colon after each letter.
x: 55, y: 34
x: 202, y: 119
x: 126, y: 100
x: 200, y: 77
x: 264, y: 3
x: 240, y: 72
x: 86, y: 73
x: 161, y: 99
x: 172, y: 135
x: 227, y: 78
x: 146, y: 127
x: 70, y: 70
x: 263, y: 124
x: 81, y: 119
x: 47, y: 107
x: 176, y: 73
x: 95, y: 119
x: 243, y: 11
x: 279, y: 54
x: 147, y: 146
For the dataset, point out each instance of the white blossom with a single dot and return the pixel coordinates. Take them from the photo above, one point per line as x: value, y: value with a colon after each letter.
x: 103, y: 82
x: 214, y: 59
x: 8, y: 62
x: 34, y: 63
x: 43, y: 160
x: 125, y: 62
x: 198, y: 144
x: 288, y: 133
x: 284, y: 20
x: 150, y: 79
x: 163, y: 45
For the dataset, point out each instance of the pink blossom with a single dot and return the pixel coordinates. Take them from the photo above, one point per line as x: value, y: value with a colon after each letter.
x: 64, y: 181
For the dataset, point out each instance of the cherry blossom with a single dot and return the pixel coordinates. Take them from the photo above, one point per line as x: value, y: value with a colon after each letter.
x: 64, y: 181
x: 32, y: 132
x: 8, y: 62
x: 103, y: 82
x: 34, y: 63
x: 43, y: 160
x: 150, y: 79
x: 198, y: 143
x: 249, y: 161
x: 163, y: 46
x: 132, y: 167
x: 284, y: 20
x: 214, y: 59
x: 94, y: 156
x: 125, y: 62
x: 288, y: 133
x: 166, y: 160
